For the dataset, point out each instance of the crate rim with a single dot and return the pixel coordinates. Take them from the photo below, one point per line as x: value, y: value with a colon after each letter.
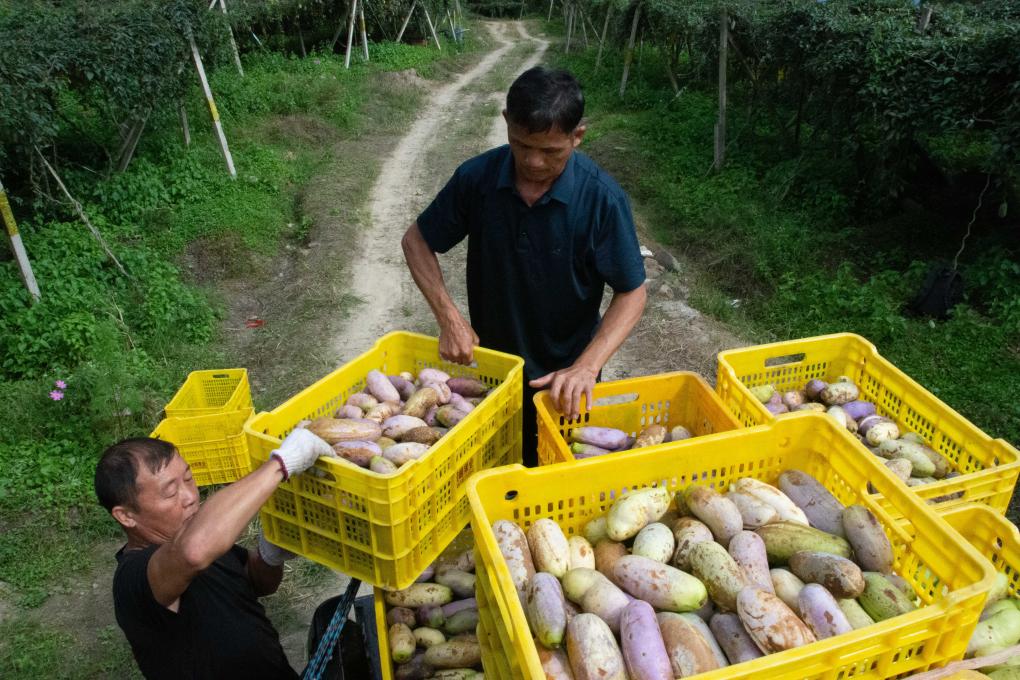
x: 389, y: 337
x: 926, y: 396
x: 989, y: 512
x: 249, y: 425
x: 779, y: 343
x: 504, y: 584
x: 720, y: 359
x: 544, y: 415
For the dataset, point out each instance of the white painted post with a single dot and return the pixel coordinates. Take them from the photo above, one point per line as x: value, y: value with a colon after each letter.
x: 339, y: 29
x: 17, y: 247
x: 350, y: 33
x: 217, y: 125
x: 184, y: 123
x: 233, y: 43
x: 628, y: 57
x: 432, y: 28
x: 570, y: 29
x: 407, y: 20
x: 361, y: 27
x: 602, y: 40
x: 720, y: 125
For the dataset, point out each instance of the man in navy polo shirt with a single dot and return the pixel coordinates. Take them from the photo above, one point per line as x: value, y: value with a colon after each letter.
x: 547, y: 230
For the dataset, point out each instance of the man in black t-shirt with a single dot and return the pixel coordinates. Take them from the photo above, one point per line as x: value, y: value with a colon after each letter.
x: 547, y: 230
x: 185, y: 595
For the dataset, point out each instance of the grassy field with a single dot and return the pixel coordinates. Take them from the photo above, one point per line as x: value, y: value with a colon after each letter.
x: 305, y: 134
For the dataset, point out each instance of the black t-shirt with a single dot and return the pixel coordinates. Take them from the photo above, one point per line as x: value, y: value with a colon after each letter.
x: 220, y: 629
x: 536, y: 275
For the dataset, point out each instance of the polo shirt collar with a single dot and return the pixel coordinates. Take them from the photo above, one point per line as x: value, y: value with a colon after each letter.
x: 562, y: 189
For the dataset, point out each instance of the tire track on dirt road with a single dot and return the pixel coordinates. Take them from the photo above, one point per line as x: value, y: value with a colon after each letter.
x: 379, y: 278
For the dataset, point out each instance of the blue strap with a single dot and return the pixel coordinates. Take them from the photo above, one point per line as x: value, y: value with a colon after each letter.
x: 317, y: 664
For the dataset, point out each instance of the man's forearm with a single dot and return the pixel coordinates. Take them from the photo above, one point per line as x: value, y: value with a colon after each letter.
x: 621, y: 316
x: 428, y: 276
x: 222, y: 518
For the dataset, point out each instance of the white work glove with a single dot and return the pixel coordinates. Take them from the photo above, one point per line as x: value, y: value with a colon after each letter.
x: 271, y: 554
x: 300, y: 450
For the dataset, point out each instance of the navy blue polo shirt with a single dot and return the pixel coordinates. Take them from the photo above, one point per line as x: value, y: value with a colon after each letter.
x: 536, y: 275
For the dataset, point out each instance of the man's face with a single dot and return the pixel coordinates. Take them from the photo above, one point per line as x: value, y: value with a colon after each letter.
x: 166, y: 500
x: 541, y: 156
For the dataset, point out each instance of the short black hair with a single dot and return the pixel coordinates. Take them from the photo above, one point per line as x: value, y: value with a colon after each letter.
x: 542, y: 98
x: 117, y: 471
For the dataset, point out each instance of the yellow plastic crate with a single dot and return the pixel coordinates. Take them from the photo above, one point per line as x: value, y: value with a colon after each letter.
x: 495, y: 662
x: 460, y: 543
x: 215, y: 446
x: 631, y: 405
x: 492, y: 664
x: 949, y: 576
x: 207, y: 392
x: 988, y: 467
x: 382, y: 633
x: 993, y: 536
x: 385, y: 529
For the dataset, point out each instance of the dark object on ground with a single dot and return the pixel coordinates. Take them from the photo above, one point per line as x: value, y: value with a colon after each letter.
x: 941, y: 291
x: 358, y: 647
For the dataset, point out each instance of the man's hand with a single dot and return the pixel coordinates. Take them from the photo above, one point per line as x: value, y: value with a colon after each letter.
x: 300, y: 450
x: 566, y: 387
x: 457, y: 341
x: 273, y: 555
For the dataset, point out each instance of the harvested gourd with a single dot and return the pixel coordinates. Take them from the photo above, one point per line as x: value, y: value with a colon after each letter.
x: 704, y: 578
x: 397, y: 419
x: 907, y: 454
x: 431, y: 624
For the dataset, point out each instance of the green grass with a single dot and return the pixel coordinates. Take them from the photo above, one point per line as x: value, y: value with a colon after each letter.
x: 124, y: 345
x: 37, y: 651
x: 776, y: 234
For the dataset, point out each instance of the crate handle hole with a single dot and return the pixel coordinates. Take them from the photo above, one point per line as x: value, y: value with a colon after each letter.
x: 220, y: 375
x: 785, y: 359
x: 510, y: 495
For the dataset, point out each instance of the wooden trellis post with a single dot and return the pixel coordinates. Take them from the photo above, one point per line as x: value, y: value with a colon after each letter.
x: 407, y: 20
x: 230, y: 31
x: 720, y: 125
x: 629, y: 56
x: 17, y: 247
x: 432, y: 28
x: 185, y: 130
x: 96, y: 234
x: 217, y: 125
x: 350, y: 32
x: 602, y: 40
x: 361, y: 27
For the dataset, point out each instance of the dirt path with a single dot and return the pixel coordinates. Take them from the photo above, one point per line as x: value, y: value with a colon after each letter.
x: 671, y: 335
x: 379, y: 278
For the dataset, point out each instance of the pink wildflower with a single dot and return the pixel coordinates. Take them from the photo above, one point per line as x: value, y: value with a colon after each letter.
x: 60, y: 384
x: 56, y: 395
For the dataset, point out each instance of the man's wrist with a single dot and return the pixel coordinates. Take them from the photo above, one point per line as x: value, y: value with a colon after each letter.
x: 283, y: 466
x: 588, y: 366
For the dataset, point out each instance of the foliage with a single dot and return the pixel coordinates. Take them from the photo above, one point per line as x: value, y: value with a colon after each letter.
x: 121, y: 346
x: 124, y: 58
x: 853, y: 86
x: 786, y: 256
